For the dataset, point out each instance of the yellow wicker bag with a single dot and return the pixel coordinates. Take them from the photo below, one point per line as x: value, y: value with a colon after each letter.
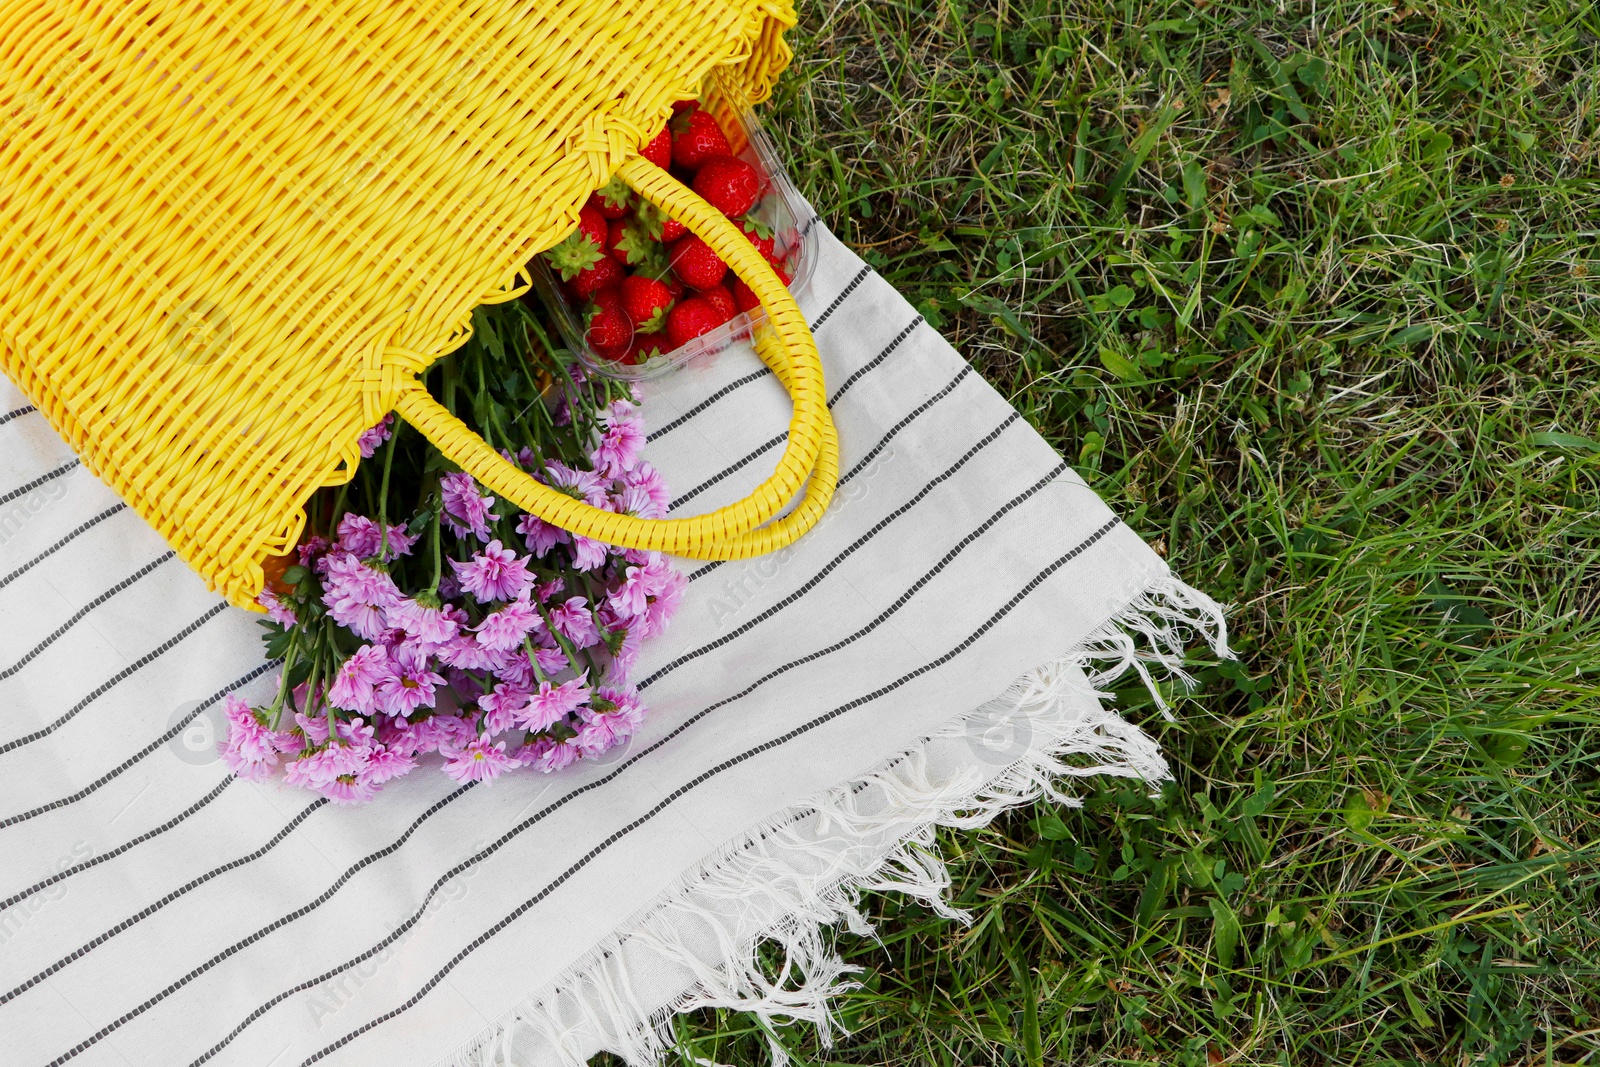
x: 232, y: 234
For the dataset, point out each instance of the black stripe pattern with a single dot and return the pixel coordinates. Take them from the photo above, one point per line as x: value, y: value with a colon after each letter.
x: 78, y: 615
x: 27, y: 409
x: 59, y: 545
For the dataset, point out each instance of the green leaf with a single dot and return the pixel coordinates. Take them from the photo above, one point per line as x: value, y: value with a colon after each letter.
x: 1572, y: 442
x: 1120, y: 365
x: 1357, y: 812
x: 1225, y: 930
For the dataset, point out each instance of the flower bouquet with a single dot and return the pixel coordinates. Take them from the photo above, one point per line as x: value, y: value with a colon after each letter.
x: 421, y: 615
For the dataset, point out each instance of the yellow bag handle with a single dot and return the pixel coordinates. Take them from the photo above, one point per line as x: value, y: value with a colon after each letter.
x: 730, y: 532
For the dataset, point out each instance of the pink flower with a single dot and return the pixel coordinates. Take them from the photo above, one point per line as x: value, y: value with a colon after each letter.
x: 426, y: 625
x: 547, y: 754
x: 386, y: 763
x: 479, y: 761
x: 355, y: 733
x: 326, y: 764
x: 356, y: 595
x: 353, y: 684
x: 551, y: 704
x: 581, y: 485
x: 469, y: 654
x: 502, y: 708
x: 496, y: 573
x: 588, y: 555
x: 250, y: 750
x: 612, y: 716
x: 622, y: 441
x: 665, y: 586
x: 371, y: 438
x: 277, y: 611
x: 465, y: 509
x: 632, y: 596
x: 361, y: 537
x: 636, y: 500
x: 505, y: 629
x: 315, y: 731
x: 644, y: 476
x: 311, y: 550
x: 407, y: 684
x: 551, y: 659
x: 573, y: 621
x: 349, y: 789
x: 538, y: 535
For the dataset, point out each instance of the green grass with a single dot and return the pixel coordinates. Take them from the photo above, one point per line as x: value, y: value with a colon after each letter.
x: 1309, y: 294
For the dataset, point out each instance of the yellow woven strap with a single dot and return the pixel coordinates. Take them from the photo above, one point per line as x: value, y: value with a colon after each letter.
x: 730, y: 532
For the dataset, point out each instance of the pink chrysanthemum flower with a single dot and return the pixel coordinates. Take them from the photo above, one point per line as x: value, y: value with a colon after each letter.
x: 353, y: 684
x: 502, y: 708
x: 496, y: 573
x: 505, y: 629
x: 546, y: 754
x: 374, y: 436
x: 571, y: 619
x: 384, y: 764
x: 468, y: 654
x: 356, y: 733
x: 644, y: 476
x: 277, y: 610
x: 315, y: 731
x: 612, y: 716
x: 551, y: 659
x: 538, y: 535
x: 427, y: 625
x: 310, y: 550
x: 356, y: 595
x: 349, y: 789
x: 326, y: 764
x: 588, y: 555
x: 362, y: 538
x: 407, y: 684
x: 466, y: 510
x: 251, y: 749
x: 552, y: 703
x: 479, y: 761
x: 581, y: 485
x: 621, y: 442
x: 630, y: 597
x: 636, y: 500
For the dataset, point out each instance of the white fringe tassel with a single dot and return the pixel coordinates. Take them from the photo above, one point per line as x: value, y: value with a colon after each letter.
x: 794, y: 880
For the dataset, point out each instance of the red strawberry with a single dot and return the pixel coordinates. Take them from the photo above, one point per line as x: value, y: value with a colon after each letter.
x: 659, y: 151
x: 645, y: 347
x: 782, y: 268
x: 719, y: 297
x: 727, y: 184
x: 673, y: 283
x: 658, y: 225
x: 743, y: 297
x: 612, y: 199
x: 695, y: 262
x: 680, y: 106
x: 758, y: 233
x: 696, y: 138
x: 630, y: 245
x: 689, y: 319
x: 646, y: 301
x: 582, y: 248
x: 610, y: 330
x: 603, y: 272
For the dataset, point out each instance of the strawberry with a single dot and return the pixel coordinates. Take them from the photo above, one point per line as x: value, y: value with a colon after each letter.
x: 645, y: 347
x: 673, y: 283
x: 758, y: 233
x: 719, y: 297
x: 743, y: 297
x: 727, y: 184
x: 612, y: 199
x: 646, y: 301
x: 610, y: 330
x: 582, y: 248
x: 689, y: 319
x: 659, y: 150
x: 630, y: 245
x: 696, y: 138
x: 695, y: 262
x: 680, y: 106
x: 781, y: 267
x: 604, y: 272
x: 658, y: 225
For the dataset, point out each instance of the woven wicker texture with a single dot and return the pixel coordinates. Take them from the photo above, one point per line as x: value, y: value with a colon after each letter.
x: 232, y: 234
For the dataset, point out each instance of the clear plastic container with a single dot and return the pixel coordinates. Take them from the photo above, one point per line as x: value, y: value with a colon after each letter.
x: 780, y: 208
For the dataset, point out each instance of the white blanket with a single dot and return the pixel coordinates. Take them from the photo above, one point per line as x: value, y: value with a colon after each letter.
x: 919, y: 657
